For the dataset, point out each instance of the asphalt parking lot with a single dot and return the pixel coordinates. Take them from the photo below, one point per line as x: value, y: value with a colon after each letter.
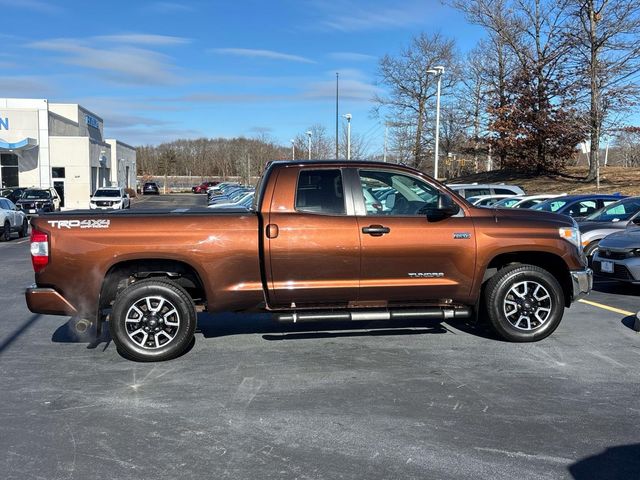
x: 253, y: 399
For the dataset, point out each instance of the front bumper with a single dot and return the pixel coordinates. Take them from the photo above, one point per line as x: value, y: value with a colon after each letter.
x: 48, y: 301
x: 582, y: 282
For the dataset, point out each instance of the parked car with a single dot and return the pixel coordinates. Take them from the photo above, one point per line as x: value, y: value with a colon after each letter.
x: 618, y: 256
x: 244, y: 202
x: 150, y: 188
x: 12, y: 220
x: 608, y: 220
x: 486, y: 200
x: 473, y: 189
x: 578, y: 206
x: 524, y: 201
x: 39, y: 200
x: 232, y: 196
x: 109, y: 198
x: 221, y: 188
x: 12, y: 194
x: 202, y: 188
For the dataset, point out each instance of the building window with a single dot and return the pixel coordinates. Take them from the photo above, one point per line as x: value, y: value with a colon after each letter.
x: 9, y: 170
x: 57, y: 172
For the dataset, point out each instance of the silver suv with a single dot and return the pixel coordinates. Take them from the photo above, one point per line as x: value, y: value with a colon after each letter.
x: 467, y: 190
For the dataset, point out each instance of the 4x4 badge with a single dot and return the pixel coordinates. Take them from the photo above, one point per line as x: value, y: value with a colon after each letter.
x: 461, y: 236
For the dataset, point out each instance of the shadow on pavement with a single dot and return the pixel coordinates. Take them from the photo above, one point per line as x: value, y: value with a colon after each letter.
x: 220, y: 325
x: 615, y: 463
x: 67, y: 333
x: 6, y: 342
x: 605, y: 285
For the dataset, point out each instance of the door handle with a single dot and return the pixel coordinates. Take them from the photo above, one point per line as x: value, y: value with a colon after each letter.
x: 376, y: 230
x: 272, y: 230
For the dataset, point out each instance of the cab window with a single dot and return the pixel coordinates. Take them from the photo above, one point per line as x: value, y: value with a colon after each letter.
x: 320, y: 191
x: 392, y: 193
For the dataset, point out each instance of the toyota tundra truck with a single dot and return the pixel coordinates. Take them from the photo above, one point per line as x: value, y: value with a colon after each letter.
x: 324, y: 241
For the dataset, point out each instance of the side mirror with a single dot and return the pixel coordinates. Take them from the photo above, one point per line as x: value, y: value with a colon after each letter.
x: 446, y: 206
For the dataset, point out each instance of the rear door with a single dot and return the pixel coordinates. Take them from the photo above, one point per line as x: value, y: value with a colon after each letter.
x: 405, y: 256
x: 312, y: 244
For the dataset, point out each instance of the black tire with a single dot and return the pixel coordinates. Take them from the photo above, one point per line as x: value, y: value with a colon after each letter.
x: 133, y: 324
x: 24, y: 230
x: 6, y: 232
x: 590, y: 250
x: 524, y: 303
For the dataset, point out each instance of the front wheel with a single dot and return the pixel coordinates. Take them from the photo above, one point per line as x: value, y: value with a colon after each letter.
x: 6, y: 233
x: 24, y: 230
x: 152, y: 320
x: 525, y: 303
x: 590, y: 251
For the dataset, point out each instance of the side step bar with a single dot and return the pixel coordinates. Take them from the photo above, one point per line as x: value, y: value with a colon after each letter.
x: 374, y: 315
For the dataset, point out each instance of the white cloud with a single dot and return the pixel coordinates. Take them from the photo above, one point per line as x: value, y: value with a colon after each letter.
x: 150, y: 136
x: 255, y: 53
x: 350, y: 89
x: 351, y: 57
x: 25, y: 86
x: 168, y: 7
x: 122, y: 64
x: 33, y: 5
x: 144, y: 39
x: 354, y: 17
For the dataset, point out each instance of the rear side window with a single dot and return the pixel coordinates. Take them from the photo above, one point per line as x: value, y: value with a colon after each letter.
x: 475, y: 191
x: 320, y: 191
x: 503, y: 191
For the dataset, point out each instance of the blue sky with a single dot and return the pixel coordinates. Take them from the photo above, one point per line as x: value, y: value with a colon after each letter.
x: 161, y: 70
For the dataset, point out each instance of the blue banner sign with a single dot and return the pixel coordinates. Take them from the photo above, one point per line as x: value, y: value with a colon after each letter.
x: 4, y: 123
x: 92, y: 121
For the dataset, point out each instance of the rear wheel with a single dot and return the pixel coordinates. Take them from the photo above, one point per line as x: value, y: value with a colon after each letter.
x: 525, y: 303
x: 24, y: 230
x: 153, y: 320
x: 6, y: 232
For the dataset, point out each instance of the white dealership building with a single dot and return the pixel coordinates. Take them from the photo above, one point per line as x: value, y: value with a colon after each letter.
x: 60, y: 145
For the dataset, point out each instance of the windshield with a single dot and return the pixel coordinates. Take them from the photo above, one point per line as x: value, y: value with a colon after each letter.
x: 507, y: 202
x: 36, y: 194
x: 107, y: 193
x: 622, y: 210
x: 550, y: 205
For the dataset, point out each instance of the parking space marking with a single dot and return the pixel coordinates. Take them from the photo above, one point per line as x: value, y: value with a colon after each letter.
x: 606, y: 307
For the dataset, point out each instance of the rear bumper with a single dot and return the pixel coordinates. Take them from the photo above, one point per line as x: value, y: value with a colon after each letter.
x: 582, y: 281
x: 48, y: 301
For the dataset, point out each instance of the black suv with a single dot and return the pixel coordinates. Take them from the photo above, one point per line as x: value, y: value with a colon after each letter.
x: 150, y: 188
x: 39, y: 200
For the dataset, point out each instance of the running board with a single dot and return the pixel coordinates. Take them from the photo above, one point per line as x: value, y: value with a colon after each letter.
x: 434, y: 313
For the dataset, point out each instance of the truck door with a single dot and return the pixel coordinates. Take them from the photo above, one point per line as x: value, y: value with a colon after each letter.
x: 405, y: 256
x: 311, y: 239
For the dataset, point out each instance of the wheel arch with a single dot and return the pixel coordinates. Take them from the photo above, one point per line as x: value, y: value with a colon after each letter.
x: 550, y: 262
x: 122, y: 274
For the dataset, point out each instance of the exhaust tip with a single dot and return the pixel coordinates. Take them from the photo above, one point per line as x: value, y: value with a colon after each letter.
x: 82, y: 325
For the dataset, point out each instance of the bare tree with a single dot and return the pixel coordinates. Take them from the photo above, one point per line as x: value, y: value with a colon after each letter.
x: 411, y: 88
x: 605, y: 35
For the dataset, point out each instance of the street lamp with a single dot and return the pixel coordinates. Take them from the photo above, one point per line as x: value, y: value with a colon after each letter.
x: 293, y: 149
x: 348, y: 117
x: 309, y: 133
x: 437, y: 71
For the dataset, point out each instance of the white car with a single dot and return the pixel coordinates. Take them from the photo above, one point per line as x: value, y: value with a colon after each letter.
x: 486, y: 200
x: 110, y: 198
x: 525, y: 201
x: 12, y: 220
x: 474, y: 189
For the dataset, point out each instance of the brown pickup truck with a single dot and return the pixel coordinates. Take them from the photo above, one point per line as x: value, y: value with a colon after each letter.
x: 325, y: 241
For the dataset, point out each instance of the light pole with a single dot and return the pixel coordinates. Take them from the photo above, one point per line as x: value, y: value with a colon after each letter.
x: 348, y: 117
x: 437, y: 71
x: 293, y: 149
x: 309, y: 133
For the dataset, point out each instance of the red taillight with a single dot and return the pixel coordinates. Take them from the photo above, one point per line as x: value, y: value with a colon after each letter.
x: 39, y: 249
